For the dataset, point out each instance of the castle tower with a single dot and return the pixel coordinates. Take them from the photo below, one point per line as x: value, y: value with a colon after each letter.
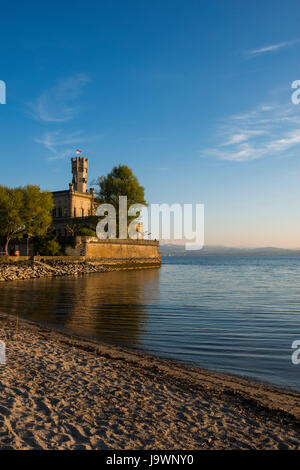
x: 80, y: 169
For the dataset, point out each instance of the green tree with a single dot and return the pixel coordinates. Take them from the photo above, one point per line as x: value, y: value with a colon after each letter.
x: 24, y: 211
x: 120, y: 182
x: 37, y: 211
x: 11, y: 214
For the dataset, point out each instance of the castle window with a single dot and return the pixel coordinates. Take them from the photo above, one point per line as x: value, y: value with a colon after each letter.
x: 74, y: 211
x: 59, y: 212
x: 82, y: 212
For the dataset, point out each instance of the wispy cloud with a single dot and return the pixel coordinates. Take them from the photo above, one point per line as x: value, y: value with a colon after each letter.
x: 242, y: 137
x: 61, y: 145
x: 271, y: 48
x: 261, y: 132
x: 58, y: 104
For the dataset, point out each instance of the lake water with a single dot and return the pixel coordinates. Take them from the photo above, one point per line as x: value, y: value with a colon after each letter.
x: 237, y: 315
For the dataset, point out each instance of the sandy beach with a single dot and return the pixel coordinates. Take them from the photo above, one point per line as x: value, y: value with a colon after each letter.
x: 58, y: 391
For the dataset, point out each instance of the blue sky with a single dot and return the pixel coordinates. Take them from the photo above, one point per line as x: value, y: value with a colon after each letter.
x: 194, y: 95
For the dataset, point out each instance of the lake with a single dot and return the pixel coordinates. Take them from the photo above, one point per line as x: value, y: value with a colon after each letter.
x: 233, y: 314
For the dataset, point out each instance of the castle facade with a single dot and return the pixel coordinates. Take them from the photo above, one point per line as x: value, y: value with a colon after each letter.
x: 76, y: 204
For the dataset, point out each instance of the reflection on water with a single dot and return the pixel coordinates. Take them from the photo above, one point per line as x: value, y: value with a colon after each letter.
x: 110, y: 306
x: 238, y: 315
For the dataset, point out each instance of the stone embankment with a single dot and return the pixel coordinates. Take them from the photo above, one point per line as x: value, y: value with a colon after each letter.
x: 61, y: 266
x: 31, y: 270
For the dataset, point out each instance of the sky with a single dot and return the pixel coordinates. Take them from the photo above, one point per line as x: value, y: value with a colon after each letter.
x: 194, y: 96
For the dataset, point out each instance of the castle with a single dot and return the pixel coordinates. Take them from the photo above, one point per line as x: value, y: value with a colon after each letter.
x: 75, y: 207
x: 75, y: 204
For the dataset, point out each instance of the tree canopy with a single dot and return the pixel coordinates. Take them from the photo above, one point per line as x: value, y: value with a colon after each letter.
x: 120, y: 182
x: 24, y: 211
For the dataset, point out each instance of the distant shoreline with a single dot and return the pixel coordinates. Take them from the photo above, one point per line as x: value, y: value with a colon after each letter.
x: 179, y: 250
x: 123, y: 391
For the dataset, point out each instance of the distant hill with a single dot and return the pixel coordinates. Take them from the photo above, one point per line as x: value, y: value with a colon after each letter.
x: 179, y: 250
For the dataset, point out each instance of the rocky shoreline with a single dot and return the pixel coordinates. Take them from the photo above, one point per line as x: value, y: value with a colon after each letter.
x: 21, y: 270
x: 32, y: 270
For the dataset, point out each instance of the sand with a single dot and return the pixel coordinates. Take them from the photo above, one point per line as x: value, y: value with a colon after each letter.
x: 59, y: 391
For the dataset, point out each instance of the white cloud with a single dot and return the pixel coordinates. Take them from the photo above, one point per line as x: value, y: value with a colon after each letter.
x: 271, y: 48
x: 242, y: 137
x: 236, y: 138
x: 62, y: 145
x: 262, y: 132
x: 57, y: 103
x: 59, y: 145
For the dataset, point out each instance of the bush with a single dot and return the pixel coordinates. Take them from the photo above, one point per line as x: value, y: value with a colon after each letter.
x: 86, y: 232
x: 53, y: 247
x: 47, y: 247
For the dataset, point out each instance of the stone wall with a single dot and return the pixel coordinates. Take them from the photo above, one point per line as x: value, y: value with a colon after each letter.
x: 115, y: 254
x: 93, y: 248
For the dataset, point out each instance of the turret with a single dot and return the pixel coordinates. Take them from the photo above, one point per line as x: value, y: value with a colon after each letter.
x: 80, y: 170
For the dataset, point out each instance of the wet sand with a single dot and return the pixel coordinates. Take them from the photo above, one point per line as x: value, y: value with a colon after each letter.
x: 59, y: 391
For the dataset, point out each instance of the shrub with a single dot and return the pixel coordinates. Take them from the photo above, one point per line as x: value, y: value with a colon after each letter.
x: 47, y: 247
x: 53, y: 247
x: 86, y: 232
